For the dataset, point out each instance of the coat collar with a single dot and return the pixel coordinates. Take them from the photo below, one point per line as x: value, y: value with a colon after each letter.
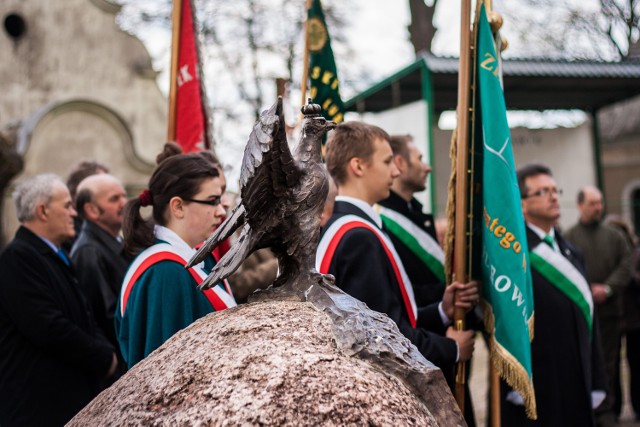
x: 33, y: 240
x: 412, y: 210
x: 102, y: 236
x: 533, y: 239
x: 365, y: 210
x: 398, y: 204
x: 345, y: 208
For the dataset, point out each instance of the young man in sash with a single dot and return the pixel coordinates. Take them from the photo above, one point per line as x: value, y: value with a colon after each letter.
x: 410, y: 229
x: 357, y: 251
x: 413, y: 233
x: 567, y: 362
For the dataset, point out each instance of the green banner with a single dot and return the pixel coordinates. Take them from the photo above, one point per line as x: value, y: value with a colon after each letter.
x: 323, y: 74
x: 506, y: 274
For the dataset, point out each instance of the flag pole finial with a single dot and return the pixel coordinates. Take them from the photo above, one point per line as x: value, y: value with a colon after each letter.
x: 495, y: 20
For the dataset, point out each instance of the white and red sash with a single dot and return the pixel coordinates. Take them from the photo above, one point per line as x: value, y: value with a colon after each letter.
x: 331, y: 239
x: 174, y: 250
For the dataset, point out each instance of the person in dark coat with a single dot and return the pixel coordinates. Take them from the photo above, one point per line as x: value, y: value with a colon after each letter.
x: 415, y: 240
x: 355, y: 249
x: 79, y: 172
x: 52, y: 356
x: 413, y: 234
x: 98, y: 252
x: 567, y: 363
x: 631, y: 322
x: 607, y: 256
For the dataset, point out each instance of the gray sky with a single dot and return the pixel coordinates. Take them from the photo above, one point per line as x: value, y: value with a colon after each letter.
x: 378, y: 35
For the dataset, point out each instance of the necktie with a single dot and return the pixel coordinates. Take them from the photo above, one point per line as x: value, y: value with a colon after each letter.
x: 549, y: 241
x: 63, y: 257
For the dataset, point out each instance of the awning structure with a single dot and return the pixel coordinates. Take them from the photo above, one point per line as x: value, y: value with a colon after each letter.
x: 530, y: 84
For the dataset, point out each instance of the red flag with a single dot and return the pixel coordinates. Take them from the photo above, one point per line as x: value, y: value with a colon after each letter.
x: 190, y: 121
x: 222, y: 248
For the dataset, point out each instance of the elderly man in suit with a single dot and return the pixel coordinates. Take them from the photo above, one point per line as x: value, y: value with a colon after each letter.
x: 52, y: 356
x: 567, y: 363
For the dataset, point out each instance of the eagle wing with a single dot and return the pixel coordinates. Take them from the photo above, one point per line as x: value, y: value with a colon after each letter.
x: 268, y: 168
x: 226, y: 229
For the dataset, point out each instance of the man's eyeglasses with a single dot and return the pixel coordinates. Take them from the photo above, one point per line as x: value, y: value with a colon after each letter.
x: 213, y: 202
x: 543, y: 192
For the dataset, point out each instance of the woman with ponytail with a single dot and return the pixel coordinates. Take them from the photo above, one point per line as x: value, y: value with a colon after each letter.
x: 159, y: 296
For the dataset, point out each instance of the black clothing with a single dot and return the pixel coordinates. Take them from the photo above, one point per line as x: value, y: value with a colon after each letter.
x: 101, y: 265
x: 427, y: 287
x: 51, y: 353
x: 567, y: 363
x: 363, y: 270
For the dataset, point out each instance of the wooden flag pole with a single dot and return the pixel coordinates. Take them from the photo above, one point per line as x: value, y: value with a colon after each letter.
x: 305, y: 60
x: 494, y: 386
x: 496, y: 420
x: 462, y: 183
x: 176, y: 19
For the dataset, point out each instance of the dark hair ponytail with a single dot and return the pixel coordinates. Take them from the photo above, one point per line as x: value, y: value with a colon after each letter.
x: 137, y: 231
x: 177, y: 175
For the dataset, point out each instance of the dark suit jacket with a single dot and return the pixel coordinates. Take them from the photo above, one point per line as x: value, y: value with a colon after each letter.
x: 51, y: 356
x: 362, y: 269
x: 100, y: 265
x: 567, y: 361
x: 427, y: 287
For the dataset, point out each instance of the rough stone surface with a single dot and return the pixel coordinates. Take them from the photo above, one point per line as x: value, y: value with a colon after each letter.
x: 276, y: 362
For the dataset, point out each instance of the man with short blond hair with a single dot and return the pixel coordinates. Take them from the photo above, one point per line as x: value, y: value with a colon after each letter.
x: 52, y: 356
x: 357, y: 251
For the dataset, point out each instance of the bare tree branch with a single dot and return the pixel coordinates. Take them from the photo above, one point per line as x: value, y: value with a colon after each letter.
x: 422, y: 29
x: 568, y: 29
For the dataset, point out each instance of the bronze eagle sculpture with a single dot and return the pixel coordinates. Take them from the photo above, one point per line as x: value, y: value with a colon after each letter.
x: 283, y: 196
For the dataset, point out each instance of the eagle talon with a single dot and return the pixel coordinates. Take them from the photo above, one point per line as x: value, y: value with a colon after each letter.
x: 328, y: 279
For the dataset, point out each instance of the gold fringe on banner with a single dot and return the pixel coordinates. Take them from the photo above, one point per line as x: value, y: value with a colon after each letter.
x: 508, y: 366
x: 451, y: 210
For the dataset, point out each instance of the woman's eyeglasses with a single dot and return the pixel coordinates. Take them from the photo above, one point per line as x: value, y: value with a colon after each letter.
x: 213, y: 202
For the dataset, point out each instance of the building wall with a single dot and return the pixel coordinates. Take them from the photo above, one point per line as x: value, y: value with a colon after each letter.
x: 621, y: 170
x: 81, y: 89
x: 567, y: 151
x: 408, y: 119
